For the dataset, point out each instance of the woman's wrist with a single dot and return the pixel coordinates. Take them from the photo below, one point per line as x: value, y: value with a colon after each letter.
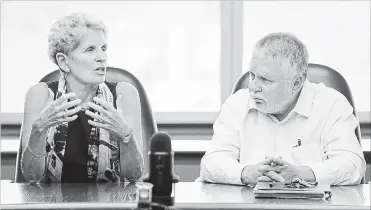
x: 126, y: 134
x: 35, y: 154
x: 38, y: 127
x: 127, y: 137
x: 35, y: 142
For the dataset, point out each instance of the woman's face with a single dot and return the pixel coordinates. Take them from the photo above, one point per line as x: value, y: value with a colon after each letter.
x: 87, y: 63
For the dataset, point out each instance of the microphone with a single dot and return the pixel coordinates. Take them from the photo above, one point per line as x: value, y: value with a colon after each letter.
x: 161, y: 164
x: 161, y: 169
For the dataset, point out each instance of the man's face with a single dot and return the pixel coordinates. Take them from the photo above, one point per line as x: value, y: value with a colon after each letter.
x: 270, y: 86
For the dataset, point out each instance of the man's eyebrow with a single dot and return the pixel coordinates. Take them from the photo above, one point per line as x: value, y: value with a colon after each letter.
x: 264, y: 74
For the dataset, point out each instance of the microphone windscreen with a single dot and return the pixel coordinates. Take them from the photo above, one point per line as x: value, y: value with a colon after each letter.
x: 160, y: 142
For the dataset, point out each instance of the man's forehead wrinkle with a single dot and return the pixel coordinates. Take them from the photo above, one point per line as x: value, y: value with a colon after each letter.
x: 259, y: 69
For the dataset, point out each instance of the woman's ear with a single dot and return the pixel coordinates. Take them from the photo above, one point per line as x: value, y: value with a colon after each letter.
x: 62, y: 60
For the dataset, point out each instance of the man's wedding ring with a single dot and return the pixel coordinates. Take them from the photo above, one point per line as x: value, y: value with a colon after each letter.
x: 64, y: 113
x: 101, y: 118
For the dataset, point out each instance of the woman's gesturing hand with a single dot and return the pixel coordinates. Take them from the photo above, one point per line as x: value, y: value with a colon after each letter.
x: 109, y: 118
x: 58, y: 111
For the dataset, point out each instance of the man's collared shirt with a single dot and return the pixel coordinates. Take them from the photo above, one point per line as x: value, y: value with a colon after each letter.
x: 322, y: 120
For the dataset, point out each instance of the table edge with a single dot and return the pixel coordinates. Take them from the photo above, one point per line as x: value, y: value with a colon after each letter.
x: 105, y: 205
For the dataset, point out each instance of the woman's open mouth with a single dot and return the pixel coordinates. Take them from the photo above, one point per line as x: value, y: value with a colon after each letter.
x: 100, y: 70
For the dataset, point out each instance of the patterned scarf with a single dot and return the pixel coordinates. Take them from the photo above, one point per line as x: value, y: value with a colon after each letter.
x: 102, y: 164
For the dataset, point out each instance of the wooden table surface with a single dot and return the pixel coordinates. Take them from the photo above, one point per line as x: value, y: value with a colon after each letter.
x: 188, y: 195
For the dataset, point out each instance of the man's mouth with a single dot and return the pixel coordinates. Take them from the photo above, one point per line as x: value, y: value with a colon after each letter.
x: 258, y: 100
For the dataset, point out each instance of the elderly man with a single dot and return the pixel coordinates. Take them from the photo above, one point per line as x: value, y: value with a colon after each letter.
x: 283, y: 126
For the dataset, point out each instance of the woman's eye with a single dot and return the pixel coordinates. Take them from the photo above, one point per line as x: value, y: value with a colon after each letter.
x: 90, y: 49
x: 104, y: 49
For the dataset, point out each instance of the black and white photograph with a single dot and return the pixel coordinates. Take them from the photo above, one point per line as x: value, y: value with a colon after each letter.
x: 185, y: 104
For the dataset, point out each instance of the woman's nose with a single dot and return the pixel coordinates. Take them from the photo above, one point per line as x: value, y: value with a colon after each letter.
x: 101, y: 57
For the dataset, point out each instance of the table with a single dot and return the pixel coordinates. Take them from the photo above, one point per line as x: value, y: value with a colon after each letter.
x: 188, y: 195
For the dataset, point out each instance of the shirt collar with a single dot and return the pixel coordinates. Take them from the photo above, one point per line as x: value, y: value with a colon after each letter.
x: 251, y: 104
x: 305, y: 101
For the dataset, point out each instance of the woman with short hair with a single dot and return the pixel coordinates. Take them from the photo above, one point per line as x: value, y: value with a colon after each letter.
x: 76, y: 129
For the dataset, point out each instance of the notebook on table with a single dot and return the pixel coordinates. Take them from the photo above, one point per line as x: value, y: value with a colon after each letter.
x: 280, y: 190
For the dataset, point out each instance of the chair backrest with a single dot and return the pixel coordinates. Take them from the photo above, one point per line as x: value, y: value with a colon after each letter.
x: 317, y: 73
x: 149, y: 126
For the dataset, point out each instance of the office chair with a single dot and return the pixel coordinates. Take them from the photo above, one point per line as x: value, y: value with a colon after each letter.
x: 317, y: 73
x: 149, y: 126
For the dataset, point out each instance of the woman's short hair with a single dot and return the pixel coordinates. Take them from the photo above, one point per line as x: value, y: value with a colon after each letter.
x: 289, y: 48
x: 66, y: 33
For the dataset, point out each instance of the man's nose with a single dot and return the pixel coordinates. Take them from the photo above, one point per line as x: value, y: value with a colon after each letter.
x: 254, y: 85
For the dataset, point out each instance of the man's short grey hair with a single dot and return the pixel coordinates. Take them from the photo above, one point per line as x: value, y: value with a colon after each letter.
x: 66, y: 33
x: 289, y: 48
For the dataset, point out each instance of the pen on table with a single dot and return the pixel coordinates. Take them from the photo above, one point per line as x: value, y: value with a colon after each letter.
x: 299, y: 143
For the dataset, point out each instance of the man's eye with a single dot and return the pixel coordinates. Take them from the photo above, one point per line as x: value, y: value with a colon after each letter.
x: 265, y: 80
x: 104, y: 48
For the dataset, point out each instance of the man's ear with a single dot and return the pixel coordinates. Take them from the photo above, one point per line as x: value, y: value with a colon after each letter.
x: 298, y: 83
x: 62, y: 60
